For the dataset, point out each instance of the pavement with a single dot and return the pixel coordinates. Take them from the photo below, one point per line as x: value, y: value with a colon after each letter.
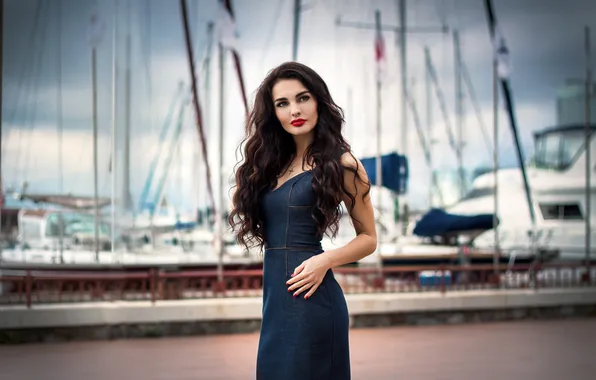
x: 541, y: 350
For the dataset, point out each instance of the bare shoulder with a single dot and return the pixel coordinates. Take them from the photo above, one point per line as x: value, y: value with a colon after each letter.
x: 348, y: 160
x: 356, y: 196
x: 355, y: 181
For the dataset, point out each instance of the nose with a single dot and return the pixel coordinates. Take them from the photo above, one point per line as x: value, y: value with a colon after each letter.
x: 295, y: 110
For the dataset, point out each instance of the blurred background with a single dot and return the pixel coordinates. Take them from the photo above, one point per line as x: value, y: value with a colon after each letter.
x: 131, y: 139
x: 121, y: 119
x: 143, y: 153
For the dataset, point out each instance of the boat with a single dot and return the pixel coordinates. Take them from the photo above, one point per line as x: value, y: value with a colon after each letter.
x: 557, y: 177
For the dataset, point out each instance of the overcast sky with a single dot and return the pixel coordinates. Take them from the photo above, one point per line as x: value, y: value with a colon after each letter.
x: 545, y: 38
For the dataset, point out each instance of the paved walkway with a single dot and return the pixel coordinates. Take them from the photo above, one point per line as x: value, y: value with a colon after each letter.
x: 554, y: 350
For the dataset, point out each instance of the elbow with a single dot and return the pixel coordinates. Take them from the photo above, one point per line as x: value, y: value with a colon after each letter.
x: 372, y: 244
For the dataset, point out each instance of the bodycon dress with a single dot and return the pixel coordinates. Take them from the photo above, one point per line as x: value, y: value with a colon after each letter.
x: 300, y: 339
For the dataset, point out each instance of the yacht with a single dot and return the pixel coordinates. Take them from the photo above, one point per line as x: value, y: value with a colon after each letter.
x: 557, y: 180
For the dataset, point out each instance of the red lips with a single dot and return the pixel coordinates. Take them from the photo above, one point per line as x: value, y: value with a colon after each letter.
x: 298, y: 122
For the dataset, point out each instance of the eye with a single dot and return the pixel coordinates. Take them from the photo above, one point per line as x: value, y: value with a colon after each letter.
x: 304, y: 98
x: 281, y: 104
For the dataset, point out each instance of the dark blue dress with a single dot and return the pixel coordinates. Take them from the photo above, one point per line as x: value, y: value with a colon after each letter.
x: 300, y: 339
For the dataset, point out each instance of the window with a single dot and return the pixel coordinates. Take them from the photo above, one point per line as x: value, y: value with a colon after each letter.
x: 73, y: 223
x: 569, y: 211
x: 558, y: 150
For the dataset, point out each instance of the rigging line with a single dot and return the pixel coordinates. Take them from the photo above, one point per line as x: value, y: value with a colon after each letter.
x: 33, y: 78
x: 202, y: 60
x: 24, y: 74
x: 474, y: 101
x: 147, y: 43
x: 82, y: 149
x: 198, y: 41
x: 27, y: 67
x: 59, y: 94
x: 424, y: 144
x: 280, y: 4
x: 35, y: 105
x: 31, y: 75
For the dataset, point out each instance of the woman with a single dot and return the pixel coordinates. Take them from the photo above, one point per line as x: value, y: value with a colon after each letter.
x: 297, y: 170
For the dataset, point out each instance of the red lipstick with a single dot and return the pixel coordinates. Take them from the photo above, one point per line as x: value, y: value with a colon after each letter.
x: 298, y: 122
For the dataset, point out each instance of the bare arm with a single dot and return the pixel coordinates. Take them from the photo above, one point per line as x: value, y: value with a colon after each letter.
x: 310, y: 274
x: 362, y: 214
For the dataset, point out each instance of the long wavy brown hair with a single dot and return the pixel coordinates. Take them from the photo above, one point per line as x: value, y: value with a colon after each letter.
x: 268, y: 149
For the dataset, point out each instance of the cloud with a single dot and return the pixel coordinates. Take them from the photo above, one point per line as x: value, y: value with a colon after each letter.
x: 32, y: 155
x: 343, y: 56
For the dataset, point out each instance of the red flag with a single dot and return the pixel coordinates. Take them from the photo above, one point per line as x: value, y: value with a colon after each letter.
x: 379, y: 47
x: 380, y: 58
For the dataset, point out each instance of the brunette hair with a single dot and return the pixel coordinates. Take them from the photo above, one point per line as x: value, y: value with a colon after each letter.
x: 268, y: 149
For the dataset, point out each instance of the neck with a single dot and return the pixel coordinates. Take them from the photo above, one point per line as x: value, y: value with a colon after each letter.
x: 302, y: 143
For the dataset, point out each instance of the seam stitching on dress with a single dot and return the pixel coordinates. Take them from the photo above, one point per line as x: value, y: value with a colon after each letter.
x: 288, y: 225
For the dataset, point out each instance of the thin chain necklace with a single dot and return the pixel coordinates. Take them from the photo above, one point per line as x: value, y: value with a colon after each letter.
x: 289, y: 170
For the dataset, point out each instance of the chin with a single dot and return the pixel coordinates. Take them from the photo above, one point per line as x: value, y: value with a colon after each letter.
x: 299, y: 131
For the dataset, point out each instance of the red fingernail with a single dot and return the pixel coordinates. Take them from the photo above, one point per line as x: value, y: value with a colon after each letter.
x: 305, y: 297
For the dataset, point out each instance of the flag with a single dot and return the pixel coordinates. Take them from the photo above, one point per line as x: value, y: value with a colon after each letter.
x: 380, y: 56
x: 501, y: 54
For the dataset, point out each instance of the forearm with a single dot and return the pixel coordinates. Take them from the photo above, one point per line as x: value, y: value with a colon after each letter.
x: 357, y: 249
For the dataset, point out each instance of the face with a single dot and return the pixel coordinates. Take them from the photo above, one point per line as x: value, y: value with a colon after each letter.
x: 295, y: 107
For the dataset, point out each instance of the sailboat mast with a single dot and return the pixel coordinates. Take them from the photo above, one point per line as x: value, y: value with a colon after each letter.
x: 588, y: 147
x: 208, y: 114
x: 126, y: 196
x: 378, y: 168
x: 459, y: 114
x: 497, y: 243
x: 504, y: 81
x: 404, y: 96
x: 113, y: 137
x: 219, y: 206
x: 297, y: 10
x: 1, y: 185
x: 59, y: 122
x: 429, y: 119
x: 95, y: 31
x: 195, y: 99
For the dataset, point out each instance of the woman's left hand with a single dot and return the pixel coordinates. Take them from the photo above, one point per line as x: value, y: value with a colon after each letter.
x: 309, y: 274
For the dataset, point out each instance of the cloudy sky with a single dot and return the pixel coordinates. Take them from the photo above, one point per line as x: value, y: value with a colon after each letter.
x: 545, y: 38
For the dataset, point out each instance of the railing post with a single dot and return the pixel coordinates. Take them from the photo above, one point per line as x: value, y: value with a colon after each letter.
x: 443, y: 287
x: 152, y: 280
x: 498, y: 276
x: 587, y: 277
x: 221, y: 284
x: 28, y: 288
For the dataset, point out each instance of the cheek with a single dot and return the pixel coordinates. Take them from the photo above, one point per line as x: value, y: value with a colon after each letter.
x: 313, y: 112
x: 281, y: 116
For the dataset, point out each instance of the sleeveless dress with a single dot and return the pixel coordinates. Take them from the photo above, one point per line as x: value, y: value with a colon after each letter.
x: 299, y: 339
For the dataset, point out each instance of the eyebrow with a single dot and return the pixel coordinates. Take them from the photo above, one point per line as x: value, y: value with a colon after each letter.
x: 297, y: 95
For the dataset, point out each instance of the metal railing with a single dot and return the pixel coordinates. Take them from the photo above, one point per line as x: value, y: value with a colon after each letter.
x: 28, y: 287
